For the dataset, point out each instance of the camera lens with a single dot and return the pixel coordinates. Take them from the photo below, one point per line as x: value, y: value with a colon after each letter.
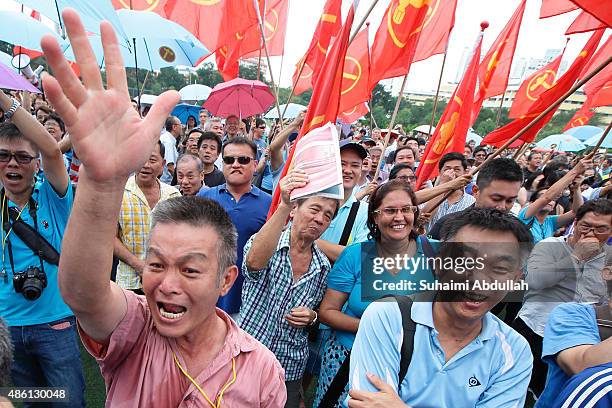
x: 32, y: 288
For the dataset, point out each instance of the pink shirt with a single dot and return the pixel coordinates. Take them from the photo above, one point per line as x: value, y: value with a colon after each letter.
x: 139, y: 369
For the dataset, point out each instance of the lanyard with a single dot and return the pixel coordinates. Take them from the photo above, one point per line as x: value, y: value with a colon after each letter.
x: 223, y: 389
x: 6, y: 238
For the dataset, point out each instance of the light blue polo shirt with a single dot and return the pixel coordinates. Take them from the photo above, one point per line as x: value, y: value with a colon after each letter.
x: 569, y: 325
x: 52, y: 216
x: 359, y: 232
x: 540, y: 231
x: 492, y: 371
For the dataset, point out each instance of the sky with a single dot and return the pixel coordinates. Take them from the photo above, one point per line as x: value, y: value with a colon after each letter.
x: 536, y: 36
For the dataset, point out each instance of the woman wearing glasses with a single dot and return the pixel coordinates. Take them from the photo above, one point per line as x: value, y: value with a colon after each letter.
x: 391, y: 216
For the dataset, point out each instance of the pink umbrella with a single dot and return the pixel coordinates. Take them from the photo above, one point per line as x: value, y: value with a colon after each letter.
x: 9, y: 79
x: 240, y: 97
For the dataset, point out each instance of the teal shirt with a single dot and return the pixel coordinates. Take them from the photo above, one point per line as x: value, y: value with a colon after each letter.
x: 359, y: 232
x: 52, y: 216
x: 540, y: 231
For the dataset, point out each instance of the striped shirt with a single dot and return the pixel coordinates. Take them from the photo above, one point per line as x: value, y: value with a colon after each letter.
x: 134, y: 227
x: 446, y: 208
x: 270, y: 294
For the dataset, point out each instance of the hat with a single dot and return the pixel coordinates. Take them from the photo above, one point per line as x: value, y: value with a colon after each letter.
x: 348, y: 144
x: 368, y: 140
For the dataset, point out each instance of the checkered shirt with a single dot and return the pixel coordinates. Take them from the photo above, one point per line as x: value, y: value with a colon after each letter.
x: 270, y: 294
x: 135, y: 225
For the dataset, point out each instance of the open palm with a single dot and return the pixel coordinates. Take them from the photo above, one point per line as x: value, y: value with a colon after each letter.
x: 108, y: 135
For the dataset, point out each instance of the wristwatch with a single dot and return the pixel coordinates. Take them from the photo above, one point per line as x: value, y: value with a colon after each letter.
x: 9, y: 113
x: 316, y: 318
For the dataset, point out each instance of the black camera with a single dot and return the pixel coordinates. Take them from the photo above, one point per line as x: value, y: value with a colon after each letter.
x: 30, y: 283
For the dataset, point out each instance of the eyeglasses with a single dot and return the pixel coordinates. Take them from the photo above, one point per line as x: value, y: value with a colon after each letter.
x: 21, y: 158
x: 585, y: 229
x: 406, y: 178
x: 244, y: 160
x: 390, y: 211
x: 261, y: 127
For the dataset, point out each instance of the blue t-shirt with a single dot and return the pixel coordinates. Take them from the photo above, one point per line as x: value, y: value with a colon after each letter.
x: 540, y: 231
x: 52, y: 216
x: 261, y: 146
x: 590, y: 388
x: 268, y: 178
x: 492, y: 371
x: 248, y: 215
x: 345, y: 276
x: 359, y: 232
x: 569, y: 325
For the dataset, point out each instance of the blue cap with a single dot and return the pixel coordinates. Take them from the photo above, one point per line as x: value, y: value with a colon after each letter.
x: 349, y: 144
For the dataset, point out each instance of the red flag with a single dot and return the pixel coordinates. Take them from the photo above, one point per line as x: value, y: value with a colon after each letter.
x: 597, y: 89
x: 228, y: 67
x: 354, y: 114
x: 495, y: 67
x: 603, y: 97
x: 275, y: 29
x: 584, y: 23
x: 580, y: 118
x: 397, y: 38
x: 356, y: 75
x: 565, y: 82
x: 597, y: 8
x: 438, y: 24
x: 552, y: 8
x: 329, y: 25
x: 325, y: 100
x: 452, y: 128
x: 213, y: 22
x: 156, y: 6
x: 533, y: 87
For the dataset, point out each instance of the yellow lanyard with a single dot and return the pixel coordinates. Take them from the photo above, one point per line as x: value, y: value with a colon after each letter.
x: 10, y: 229
x: 225, y: 387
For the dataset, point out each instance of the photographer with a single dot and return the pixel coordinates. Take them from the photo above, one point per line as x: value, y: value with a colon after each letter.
x: 34, y: 212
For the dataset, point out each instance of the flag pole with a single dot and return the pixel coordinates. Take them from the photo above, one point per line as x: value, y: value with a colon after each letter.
x: 265, y: 45
x: 499, y: 110
x: 520, y: 151
x: 363, y: 20
x: 433, y: 112
x: 601, y: 139
x: 391, y: 123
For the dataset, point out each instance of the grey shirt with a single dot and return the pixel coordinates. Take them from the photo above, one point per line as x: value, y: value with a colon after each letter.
x: 555, y: 277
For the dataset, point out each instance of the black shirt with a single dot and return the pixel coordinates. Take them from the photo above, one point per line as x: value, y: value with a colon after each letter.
x: 214, y: 178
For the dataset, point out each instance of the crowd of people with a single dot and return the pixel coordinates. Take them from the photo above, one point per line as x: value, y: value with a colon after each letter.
x: 151, y: 240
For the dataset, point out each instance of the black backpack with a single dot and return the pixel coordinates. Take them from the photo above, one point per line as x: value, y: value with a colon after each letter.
x: 333, y: 393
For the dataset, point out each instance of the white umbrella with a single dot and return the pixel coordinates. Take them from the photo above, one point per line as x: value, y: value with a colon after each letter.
x: 293, y: 110
x: 424, y: 129
x: 146, y: 99
x: 473, y: 136
x: 195, y: 92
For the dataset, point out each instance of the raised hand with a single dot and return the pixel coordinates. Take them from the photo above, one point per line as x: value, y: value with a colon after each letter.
x: 109, y: 137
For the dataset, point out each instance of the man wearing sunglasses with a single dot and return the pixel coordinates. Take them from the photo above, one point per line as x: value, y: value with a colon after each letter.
x: 258, y: 131
x: 42, y: 327
x: 246, y: 204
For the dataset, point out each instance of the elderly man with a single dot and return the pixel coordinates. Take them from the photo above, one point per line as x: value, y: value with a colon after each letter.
x: 285, y: 279
x: 232, y: 127
x: 463, y: 355
x: 190, y: 175
x: 215, y: 125
x: 171, y: 347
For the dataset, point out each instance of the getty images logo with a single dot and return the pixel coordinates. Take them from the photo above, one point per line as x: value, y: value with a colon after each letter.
x: 473, y: 382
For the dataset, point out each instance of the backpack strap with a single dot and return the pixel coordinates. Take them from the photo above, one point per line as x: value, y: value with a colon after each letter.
x: 350, y: 221
x: 428, y: 249
x: 409, y: 328
x: 604, y: 321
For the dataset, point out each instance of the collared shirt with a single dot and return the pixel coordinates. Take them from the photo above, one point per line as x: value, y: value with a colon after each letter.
x: 569, y: 325
x: 540, y: 231
x: 248, y: 216
x: 170, y: 155
x: 555, y: 277
x: 492, y: 371
x: 270, y: 294
x: 359, y: 232
x: 139, y: 369
x: 383, y: 176
x: 51, y: 216
x: 135, y: 225
x: 445, y: 208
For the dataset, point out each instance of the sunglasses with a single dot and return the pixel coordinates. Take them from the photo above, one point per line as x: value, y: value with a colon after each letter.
x: 261, y: 127
x: 244, y: 160
x: 21, y: 158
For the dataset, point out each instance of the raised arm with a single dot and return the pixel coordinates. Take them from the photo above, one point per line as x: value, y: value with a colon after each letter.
x: 427, y: 194
x: 112, y: 141
x: 276, y: 146
x: 52, y: 159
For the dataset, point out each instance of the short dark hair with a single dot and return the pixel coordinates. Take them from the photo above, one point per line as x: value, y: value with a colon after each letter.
x: 421, y: 141
x: 195, y: 130
x: 259, y: 122
x: 399, y: 149
x: 453, y: 156
x: 198, y: 212
x: 162, y: 149
x: 170, y: 123
x: 504, y: 169
x: 488, y: 219
x: 600, y: 206
x: 210, y: 136
x: 55, y: 117
x: 531, y: 179
x: 44, y: 108
x: 241, y: 140
x: 409, y: 138
x: 530, y: 156
x: 376, y: 200
x: 397, y: 168
x: 10, y: 132
x: 536, y: 194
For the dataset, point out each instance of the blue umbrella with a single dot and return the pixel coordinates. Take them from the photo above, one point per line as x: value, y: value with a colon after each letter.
x: 607, y: 143
x: 21, y: 29
x: 293, y: 110
x: 565, y: 143
x: 583, y: 132
x: 158, y: 43
x: 184, y: 110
